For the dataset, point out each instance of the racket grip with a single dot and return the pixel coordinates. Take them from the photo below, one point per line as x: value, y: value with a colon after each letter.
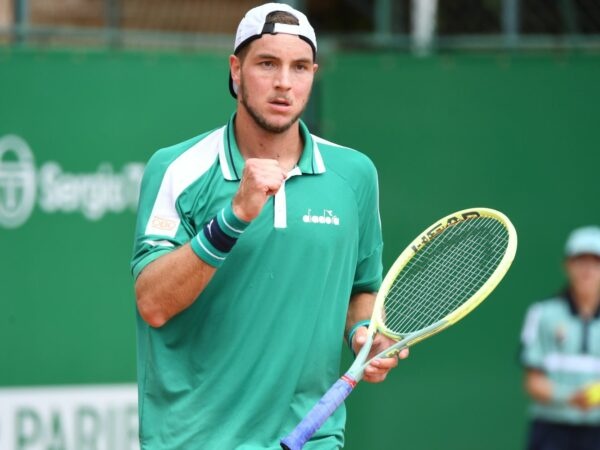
x: 317, y: 416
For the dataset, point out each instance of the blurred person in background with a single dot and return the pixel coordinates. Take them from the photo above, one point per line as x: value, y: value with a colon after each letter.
x: 561, y: 353
x: 257, y: 248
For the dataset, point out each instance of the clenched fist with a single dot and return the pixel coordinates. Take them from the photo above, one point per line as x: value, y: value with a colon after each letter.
x: 261, y: 179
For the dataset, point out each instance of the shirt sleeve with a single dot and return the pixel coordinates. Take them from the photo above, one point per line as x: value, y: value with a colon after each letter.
x: 368, y: 274
x: 532, y: 352
x: 160, y: 226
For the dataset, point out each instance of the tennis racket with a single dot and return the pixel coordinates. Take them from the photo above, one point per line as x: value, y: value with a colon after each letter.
x: 436, y: 281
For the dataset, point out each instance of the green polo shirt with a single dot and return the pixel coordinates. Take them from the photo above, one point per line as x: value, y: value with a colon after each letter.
x: 557, y: 341
x: 245, y: 362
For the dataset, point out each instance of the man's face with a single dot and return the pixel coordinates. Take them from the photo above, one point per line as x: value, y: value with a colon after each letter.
x: 274, y: 80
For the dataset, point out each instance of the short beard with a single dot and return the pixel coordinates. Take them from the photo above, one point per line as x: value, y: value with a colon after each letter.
x: 262, y: 122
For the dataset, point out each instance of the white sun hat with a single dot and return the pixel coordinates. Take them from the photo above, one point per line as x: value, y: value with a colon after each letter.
x: 583, y: 241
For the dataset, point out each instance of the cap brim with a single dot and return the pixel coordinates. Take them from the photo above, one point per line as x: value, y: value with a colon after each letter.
x: 579, y: 253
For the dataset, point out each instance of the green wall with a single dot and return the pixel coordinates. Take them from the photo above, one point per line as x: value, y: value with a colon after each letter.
x: 515, y: 132
x: 67, y: 297
x: 518, y: 133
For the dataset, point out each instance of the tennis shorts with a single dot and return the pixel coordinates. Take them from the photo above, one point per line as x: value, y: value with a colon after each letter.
x: 557, y: 436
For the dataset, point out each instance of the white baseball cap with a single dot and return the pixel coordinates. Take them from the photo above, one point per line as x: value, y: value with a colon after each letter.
x: 583, y: 241
x: 253, y: 26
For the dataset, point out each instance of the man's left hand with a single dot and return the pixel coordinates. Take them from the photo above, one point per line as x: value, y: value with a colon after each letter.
x: 378, y: 369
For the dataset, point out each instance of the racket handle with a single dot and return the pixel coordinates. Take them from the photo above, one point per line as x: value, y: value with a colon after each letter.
x: 317, y: 416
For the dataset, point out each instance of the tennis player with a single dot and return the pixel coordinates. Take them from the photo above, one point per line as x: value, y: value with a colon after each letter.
x: 561, y: 353
x: 257, y: 248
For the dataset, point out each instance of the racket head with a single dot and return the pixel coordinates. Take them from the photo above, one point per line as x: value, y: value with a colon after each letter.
x: 477, y: 233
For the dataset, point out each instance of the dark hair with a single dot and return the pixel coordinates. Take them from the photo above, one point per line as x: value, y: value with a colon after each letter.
x: 281, y: 17
x: 272, y: 18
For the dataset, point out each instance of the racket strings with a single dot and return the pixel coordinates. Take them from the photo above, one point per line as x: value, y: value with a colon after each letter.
x: 444, y: 274
x: 426, y: 278
x: 429, y: 308
x: 423, y: 307
x: 463, y: 275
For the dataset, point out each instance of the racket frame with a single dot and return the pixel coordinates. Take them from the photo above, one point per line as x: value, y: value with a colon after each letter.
x: 418, y: 244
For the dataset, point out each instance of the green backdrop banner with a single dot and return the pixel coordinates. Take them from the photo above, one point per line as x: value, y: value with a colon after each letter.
x: 514, y: 132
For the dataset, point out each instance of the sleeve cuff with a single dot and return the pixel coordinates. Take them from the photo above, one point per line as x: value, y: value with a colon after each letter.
x: 367, y: 286
x: 140, y: 265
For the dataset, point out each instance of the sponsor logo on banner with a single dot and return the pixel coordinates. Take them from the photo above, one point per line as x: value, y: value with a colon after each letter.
x: 55, y: 190
x: 17, y: 181
x: 102, y: 417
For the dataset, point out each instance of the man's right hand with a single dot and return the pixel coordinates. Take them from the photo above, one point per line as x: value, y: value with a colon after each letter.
x: 587, y: 397
x: 261, y: 179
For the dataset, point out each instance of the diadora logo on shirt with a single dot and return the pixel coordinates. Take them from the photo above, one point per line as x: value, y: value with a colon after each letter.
x: 327, y: 218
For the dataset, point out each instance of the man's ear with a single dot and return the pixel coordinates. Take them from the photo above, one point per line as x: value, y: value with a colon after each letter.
x: 235, y: 65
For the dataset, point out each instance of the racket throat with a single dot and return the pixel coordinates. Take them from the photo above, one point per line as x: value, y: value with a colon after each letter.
x: 355, y: 373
